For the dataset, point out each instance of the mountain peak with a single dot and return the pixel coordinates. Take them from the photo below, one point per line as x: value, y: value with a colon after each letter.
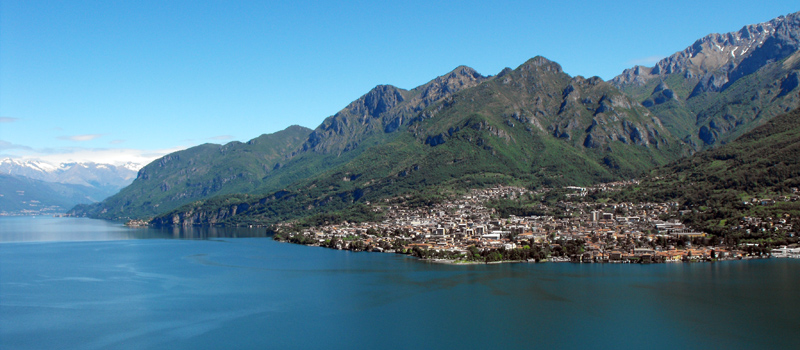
x: 723, y: 84
x: 541, y: 63
x: 464, y: 71
x: 88, y: 174
x: 7, y: 164
x: 717, y: 60
x: 458, y: 79
x: 384, y: 109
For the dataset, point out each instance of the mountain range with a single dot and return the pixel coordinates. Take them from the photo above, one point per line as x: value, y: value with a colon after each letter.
x: 33, y: 185
x: 76, y: 173
x: 724, y: 84
x: 533, y: 125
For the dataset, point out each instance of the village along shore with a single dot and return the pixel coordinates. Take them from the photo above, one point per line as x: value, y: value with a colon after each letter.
x: 470, y: 230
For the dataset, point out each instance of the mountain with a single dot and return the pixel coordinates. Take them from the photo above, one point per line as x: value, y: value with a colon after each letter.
x: 34, y: 169
x: 96, y: 175
x: 383, y: 110
x: 375, y: 118
x: 200, y: 172
x: 534, y: 125
x: 23, y: 195
x: 86, y: 174
x: 60, y: 186
x: 755, y: 175
x: 724, y: 84
x: 271, y: 162
x: 764, y: 160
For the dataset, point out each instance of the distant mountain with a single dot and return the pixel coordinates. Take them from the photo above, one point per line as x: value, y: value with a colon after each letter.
x: 40, y: 185
x: 724, y: 84
x: 22, y: 195
x: 34, y: 169
x: 87, y: 173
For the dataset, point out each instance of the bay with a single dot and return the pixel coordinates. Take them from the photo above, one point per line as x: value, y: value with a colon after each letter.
x: 71, y: 283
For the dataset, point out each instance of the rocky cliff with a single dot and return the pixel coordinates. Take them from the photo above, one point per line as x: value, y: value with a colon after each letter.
x: 724, y: 84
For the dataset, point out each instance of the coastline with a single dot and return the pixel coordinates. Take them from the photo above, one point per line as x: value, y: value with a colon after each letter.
x: 474, y: 228
x: 463, y: 262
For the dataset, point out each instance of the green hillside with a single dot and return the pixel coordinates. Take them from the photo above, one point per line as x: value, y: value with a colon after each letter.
x: 534, y: 125
x: 199, y: 172
x: 756, y: 175
x: 272, y: 162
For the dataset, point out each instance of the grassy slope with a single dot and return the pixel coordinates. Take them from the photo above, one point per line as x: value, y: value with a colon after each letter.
x: 764, y: 163
x: 206, y: 171
x: 200, y: 172
x: 482, y: 144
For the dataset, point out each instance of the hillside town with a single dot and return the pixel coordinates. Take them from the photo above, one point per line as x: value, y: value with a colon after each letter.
x: 469, y: 229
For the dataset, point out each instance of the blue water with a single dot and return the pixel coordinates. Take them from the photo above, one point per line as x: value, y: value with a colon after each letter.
x: 119, y: 288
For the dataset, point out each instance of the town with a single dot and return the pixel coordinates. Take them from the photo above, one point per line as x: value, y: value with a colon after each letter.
x: 470, y: 230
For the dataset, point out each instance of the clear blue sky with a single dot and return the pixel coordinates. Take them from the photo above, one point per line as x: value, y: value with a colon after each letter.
x: 97, y: 78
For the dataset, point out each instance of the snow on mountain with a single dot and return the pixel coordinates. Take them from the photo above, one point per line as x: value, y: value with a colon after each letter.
x: 132, y: 166
x: 35, y: 165
x: 80, y: 173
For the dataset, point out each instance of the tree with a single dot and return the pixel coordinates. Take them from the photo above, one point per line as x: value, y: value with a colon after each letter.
x: 473, y: 251
x: 494, y: 256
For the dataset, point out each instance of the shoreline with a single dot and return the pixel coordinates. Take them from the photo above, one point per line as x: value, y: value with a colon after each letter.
x: 456, y: 262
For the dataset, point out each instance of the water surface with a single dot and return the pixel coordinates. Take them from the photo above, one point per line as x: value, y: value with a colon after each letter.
x: 254, y: 293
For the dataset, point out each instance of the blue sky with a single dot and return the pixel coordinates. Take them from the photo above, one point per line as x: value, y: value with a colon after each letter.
x: 114, y: 81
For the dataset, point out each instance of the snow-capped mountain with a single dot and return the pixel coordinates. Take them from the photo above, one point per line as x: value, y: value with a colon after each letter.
x: 35, y: 186
x: 132, y: 166
x: 28, y: 168
x: 86, y: 174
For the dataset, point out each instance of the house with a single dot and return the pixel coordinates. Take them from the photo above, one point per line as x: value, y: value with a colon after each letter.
x: 785, y: 252
x: 615, y: 256
x: 525, y: 236
x: 643, y: 251
x: 492, y: 236
x: 687, y: 233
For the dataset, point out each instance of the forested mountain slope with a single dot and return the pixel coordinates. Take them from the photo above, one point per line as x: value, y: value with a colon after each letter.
x: 198, y: 172
x: 756, y: 175
x: 534, y: 124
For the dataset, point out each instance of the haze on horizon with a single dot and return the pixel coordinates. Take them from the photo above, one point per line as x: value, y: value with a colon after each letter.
x: 119, y: 82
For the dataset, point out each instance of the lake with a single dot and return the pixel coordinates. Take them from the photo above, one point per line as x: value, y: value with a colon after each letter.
x: 71, y: 283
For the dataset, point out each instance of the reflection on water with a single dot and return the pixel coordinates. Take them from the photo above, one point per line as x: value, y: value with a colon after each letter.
x: 206, y: 232
x: 49, y: 229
